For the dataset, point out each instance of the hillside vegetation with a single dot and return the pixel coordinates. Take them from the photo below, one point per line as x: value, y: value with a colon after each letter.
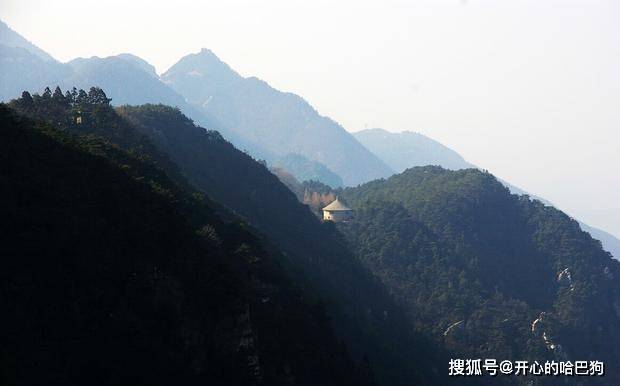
x: 486, y: 273
x: 114, y: 274
x: 372, y: 328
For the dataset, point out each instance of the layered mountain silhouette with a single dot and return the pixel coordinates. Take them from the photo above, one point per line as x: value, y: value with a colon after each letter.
x: 126, y: 78
x: 129, y: 79
x: 372, y: 329
x: 10, y: 38
x: 116, y: 271
x: 23, y: 70
x: 306, y: 170
x: 145, y: 248
x: 610, y: 242
x: 271, y: 123
x: 408, y: 149
x: 140, y: 63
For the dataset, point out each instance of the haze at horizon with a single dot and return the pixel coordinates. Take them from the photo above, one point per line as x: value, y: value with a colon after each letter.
x: 528, y: 90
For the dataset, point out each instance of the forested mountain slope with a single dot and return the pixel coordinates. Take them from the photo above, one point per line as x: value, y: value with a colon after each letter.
x: 362, y: 313
x: 130, y: 79
x: 113, y: 274
x: 407, y: 149
x: 487, y: 273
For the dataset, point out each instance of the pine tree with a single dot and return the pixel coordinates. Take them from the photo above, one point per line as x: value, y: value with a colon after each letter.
x: 97, y: 96
x: 47, y: 94
x: 58, y: 98
x: 26, y: 101
x: 81, y: 98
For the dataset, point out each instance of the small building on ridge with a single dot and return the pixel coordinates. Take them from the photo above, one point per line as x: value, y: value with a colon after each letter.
x: 337, y: 211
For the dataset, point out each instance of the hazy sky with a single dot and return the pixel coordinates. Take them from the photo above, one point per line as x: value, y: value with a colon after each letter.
x: 529, y: 90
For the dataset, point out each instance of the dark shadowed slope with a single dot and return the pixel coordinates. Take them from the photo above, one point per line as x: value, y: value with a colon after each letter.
x: 363, y: 313
x: 270, y: 122
x: 113, y: 274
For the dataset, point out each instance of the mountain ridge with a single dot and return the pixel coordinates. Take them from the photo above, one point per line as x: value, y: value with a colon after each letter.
x: 135, y: 280
x: 131, y: 68
x: 408, y: 149
x: 271, y: 120
x: 483, y: 272
x: 266, y: 107
x: 326, y: 272
x: 402, y: 151
x: 457, y: 248
x: 10, y: 38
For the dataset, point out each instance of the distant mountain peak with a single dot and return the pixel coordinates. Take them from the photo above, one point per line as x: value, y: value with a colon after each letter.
x: 95, y: 62
x: 207, y: 55
x: 203, y: 63
x: 206, y: 51
x: 408, y: 148
x: 269, y: 123
x: 379, y: 130
x: 10, y: 38
x: 376, y: 130
x: 140, y: 63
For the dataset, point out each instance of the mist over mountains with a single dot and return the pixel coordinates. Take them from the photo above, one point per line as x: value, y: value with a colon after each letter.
x: 408, y: 149
x: 151, y: 243
x: 280, y: 128
x: 10, y: 38
x: 267, y: 123
x: 271, y: 122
